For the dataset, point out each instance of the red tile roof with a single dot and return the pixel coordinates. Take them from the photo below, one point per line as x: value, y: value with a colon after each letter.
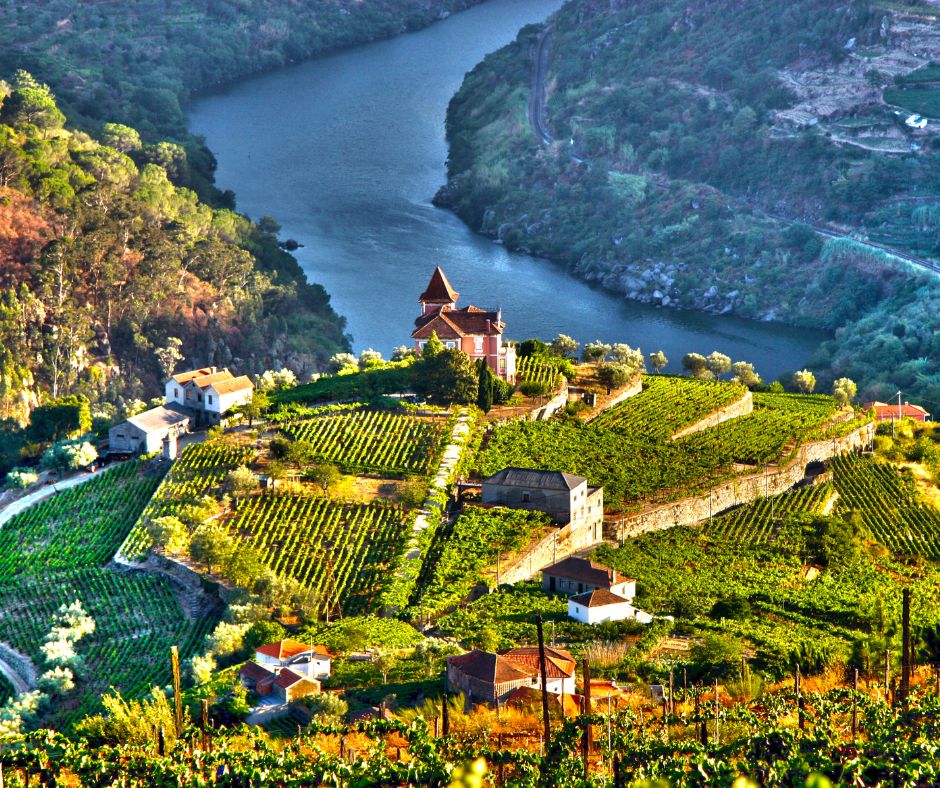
x: 559, y: 664
x: 584, y: 570
x: 600, y: 597
x: 288, y: 678
x: 438, y: 290
x: 255, y: 672
x: 242, y: 383
x: 885, y: 411
x: 216, y: 377
x: 185, y: 377
x: 455, y: 323
x: 493, y: 668
x: 287, y: 648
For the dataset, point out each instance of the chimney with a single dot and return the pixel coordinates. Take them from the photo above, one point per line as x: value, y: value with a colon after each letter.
x: 488, y: 324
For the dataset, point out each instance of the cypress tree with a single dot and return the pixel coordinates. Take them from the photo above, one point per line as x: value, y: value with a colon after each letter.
x: 485, y: 387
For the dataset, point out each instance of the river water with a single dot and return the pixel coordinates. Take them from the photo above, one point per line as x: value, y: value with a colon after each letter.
x: 346, y: 152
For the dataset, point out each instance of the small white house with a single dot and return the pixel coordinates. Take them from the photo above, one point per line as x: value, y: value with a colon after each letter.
x: 222, y: 396
x: 303, y: 658
x: 600, y: 605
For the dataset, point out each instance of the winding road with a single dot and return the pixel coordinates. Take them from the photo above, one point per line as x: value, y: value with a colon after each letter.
x: 539, y: 123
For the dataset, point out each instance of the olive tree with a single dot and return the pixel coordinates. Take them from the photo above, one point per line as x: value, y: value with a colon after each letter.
x: 658, y: 361
x: 718, y: 363
x: 743, y: 373
x: 844, y: 390
x: 804, y: 381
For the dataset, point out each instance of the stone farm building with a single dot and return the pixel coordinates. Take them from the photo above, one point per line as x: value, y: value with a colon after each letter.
x: 477, y: 332
x: 193, y: 400
x: 577, y: 575
x: 145, y: 431
x: 564, y: 497
x: 485, y: 677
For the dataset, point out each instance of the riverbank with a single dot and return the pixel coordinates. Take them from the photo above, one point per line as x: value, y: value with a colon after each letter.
x: 700, y: 209
x: 347, y: 150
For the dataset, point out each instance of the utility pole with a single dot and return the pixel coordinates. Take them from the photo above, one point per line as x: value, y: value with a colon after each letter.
x: 543, y: 670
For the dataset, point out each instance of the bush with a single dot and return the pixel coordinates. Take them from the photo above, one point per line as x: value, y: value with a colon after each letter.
x: 534, y: 388
x: 21, y: 478
x: 280, y: 448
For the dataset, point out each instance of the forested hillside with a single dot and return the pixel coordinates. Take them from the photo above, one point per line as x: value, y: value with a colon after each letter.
x: 707, y: 155
x: 137, y: 63
x: 110, y: 274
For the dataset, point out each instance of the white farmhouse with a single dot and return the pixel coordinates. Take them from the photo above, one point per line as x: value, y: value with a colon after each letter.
x: 221, y: 396
x: 600, y: 605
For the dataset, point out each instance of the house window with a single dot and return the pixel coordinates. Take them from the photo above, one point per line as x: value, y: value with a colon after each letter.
x: 526, y: 498
x: 200, y: 397
x: 209, y: 399
x: 478, y: 344
x: 176, y: 393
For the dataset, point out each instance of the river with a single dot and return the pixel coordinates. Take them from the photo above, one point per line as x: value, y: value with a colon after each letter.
x: 346, y: 151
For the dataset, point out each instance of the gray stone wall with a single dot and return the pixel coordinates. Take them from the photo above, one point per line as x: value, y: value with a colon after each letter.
x: 741, y: 407
x: 737, y: 491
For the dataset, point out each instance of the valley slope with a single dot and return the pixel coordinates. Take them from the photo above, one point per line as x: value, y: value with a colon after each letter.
x: 704, y: 155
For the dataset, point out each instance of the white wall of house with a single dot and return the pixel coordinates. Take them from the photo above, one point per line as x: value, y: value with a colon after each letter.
x: 620, y: 611
x: 625, y: 589
x: 219, y: 405
x: 174, y: 392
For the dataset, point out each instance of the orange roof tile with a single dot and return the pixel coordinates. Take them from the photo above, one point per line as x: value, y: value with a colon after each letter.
x: 242, y: 383
x: 287, y: 648
x: 216, y: 377
x: 487, y: 666
x: 599, y: 597
x: 185, y: 377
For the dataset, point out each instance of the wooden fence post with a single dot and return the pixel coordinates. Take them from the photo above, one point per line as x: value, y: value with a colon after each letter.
x: 799, y: 699
x: 887, y: 675
x: 177, y: 691
x: 854, y: 702
x: 717, y: 737
x: 906, y: 641
x: 445, y: 716
x: 586, y: 744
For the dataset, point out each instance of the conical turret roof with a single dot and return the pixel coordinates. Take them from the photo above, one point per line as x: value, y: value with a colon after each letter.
x: 438, y: 290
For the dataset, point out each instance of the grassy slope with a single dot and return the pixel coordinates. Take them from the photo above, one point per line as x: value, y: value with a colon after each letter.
x: 673, y: 107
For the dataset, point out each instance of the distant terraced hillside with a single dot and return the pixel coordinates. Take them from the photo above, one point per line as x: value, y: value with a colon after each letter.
x: 757, y: 158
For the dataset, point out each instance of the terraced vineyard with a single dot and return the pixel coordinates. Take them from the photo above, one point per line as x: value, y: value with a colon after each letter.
x: 666, y: 405
x: 757, y: 522
x: 81, y: 526
x: 779, y: 423
x: 54, y: 552
x: 535, y: 369
x: 199, y: 470
x: 889, y: 506
x: 342, y: 547
x: 137, y: 620
x: 374, y: 440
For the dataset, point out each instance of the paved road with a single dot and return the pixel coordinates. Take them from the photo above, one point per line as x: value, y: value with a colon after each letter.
x: 538, y: 122
x: 537, y: 88
x: 50, y: 489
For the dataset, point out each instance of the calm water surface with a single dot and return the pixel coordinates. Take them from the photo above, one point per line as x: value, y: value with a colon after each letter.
x: 346, y: 152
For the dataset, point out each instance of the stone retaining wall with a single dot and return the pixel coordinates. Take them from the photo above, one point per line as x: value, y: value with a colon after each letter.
x: 550, y: 408
x: 21, y: 664
x: 741, y: 407
x: 737, y: 491
x: 553, y: 547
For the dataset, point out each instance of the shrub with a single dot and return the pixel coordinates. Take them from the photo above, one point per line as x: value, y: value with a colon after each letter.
x: 21, y: 478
